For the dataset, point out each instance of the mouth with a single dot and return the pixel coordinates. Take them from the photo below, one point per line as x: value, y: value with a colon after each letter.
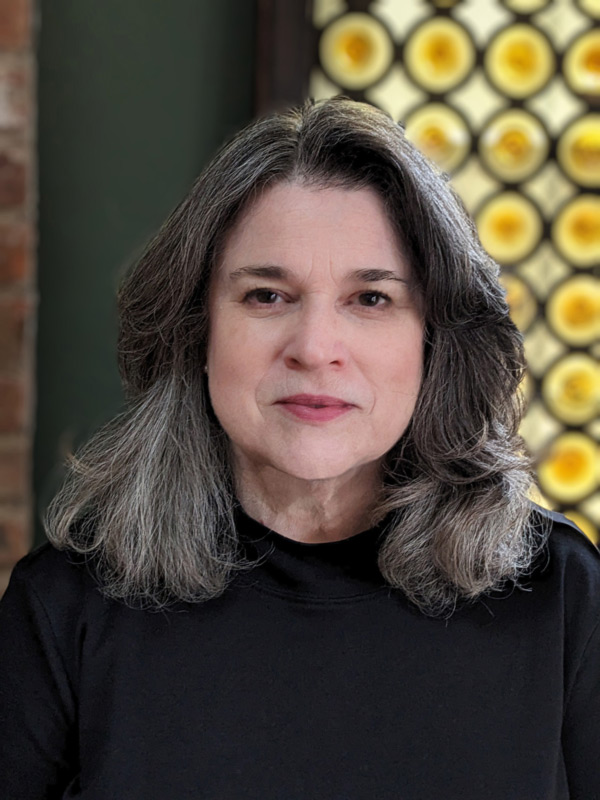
x: 315, y: 401
x: 315, y: 408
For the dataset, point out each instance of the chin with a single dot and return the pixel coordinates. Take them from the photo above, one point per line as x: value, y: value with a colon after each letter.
x: 321, y: 468
x: 312, y: 473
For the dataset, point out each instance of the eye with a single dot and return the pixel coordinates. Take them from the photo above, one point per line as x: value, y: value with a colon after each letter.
x: 264, y: 297
x: 373, y: 299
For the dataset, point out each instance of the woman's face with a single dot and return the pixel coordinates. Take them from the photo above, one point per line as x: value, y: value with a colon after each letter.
x: 316, y: 339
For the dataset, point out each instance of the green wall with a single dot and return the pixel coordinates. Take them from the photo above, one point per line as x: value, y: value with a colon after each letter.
x: 134, y: 97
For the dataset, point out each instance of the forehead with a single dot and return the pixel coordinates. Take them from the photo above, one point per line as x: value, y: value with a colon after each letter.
x: 292, y: 222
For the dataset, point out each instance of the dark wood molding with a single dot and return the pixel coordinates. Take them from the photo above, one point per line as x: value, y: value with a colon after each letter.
x: 286, y: 42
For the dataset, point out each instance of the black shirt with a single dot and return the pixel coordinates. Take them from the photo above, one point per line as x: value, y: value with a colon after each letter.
x: 307, y: 679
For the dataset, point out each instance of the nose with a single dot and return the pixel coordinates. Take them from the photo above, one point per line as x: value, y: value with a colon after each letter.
x: 316, y: 339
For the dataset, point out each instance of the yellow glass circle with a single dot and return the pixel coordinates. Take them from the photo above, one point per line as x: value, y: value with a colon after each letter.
x: 571, y: 389
x: 439, y: 54
x: 440, y: 133
x: 579, y: 150
x: 569, y: 471
x: 586, y: 524
x: 519, y: 61
x: 355, y: 50
x: 513, y: 145
x: 591, y: 7
x: 526, y: 6
x: 521, y: 301
x: 581, y: 63
x: 509, y: 227
x: 576, y: 230
x: 573, y: 310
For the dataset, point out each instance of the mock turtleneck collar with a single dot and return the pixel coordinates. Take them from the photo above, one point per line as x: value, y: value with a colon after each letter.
x: 324, y: 570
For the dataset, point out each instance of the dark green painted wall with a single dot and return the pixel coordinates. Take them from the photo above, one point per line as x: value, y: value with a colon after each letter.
x: 134, y: 97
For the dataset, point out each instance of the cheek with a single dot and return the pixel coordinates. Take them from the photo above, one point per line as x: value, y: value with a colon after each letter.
x: 226, y: 354
x: 400, y: 369
x: 241, y: 352
x: 235, y: 367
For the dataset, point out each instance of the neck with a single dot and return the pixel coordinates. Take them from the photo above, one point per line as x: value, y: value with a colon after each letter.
x: 309, y: 510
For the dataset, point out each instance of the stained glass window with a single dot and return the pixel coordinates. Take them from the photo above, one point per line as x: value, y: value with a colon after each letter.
x: 505, y: 97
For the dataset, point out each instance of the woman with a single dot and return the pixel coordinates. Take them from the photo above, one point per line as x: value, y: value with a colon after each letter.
x: 320, y: 486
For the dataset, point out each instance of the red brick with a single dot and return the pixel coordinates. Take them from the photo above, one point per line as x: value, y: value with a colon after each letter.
x: 13, y: 405
x: 15, y: 255
x: 14, y: 537
x: 15, y: 18
x: 14, y: 473
x: 14, y: 94
x: 13, y: 181
x: 14, y: 315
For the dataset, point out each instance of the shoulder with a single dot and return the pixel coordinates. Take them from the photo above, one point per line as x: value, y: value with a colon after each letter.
x: 568, y: 574
x: 568, y: 552
x: 53, y: 602
x: 53, y: 584
x: 47, y: 570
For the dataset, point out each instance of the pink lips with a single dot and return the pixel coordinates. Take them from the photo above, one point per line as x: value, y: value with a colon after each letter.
x: 315, y: 407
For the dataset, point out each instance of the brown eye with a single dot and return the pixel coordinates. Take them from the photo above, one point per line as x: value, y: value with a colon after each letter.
x: 262, y: 296
x: 372, y: 299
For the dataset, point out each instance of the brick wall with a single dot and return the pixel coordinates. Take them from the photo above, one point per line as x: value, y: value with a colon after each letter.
x: 17, y: 278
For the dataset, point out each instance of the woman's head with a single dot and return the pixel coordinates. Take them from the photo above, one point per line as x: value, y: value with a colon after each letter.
x: 473, y: 359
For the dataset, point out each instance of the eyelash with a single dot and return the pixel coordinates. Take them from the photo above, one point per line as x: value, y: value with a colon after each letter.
x: 253, y: 295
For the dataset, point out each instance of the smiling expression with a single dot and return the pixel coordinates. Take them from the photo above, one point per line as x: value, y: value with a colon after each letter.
x: 316, y: 337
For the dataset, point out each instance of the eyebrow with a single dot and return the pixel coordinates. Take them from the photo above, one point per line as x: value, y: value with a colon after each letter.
x: 281, y: 273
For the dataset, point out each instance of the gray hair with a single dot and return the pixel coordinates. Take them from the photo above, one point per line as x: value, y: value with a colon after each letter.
x: 151, y: 495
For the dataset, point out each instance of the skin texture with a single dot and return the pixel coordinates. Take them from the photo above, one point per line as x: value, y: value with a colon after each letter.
x: 313, y: 296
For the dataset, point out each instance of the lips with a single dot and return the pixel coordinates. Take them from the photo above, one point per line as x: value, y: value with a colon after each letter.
x: 315, y: 401
x: 315, y: 407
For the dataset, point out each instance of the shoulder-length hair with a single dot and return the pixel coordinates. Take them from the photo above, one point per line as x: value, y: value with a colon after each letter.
x: 151, y: 495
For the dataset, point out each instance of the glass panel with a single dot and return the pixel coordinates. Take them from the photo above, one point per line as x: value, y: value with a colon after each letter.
x: 502, y: 94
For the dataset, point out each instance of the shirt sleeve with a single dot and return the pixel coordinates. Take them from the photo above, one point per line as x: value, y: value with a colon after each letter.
x: 37, y: 701
x: 581, y: 729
